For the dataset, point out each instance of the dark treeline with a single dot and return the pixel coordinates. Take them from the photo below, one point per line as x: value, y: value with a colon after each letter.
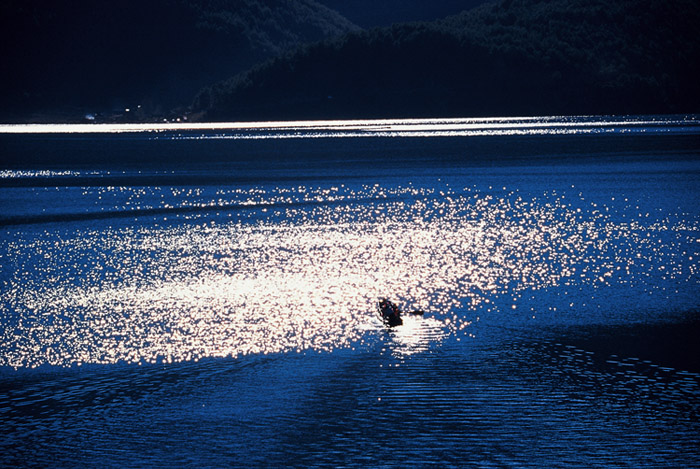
x: 515, y: 57
x: 98, y: 55
x: 374, y: 13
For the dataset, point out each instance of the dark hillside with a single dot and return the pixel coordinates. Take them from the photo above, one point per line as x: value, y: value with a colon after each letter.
x: 62, y: 57
x: 517, y: 57
x: 373, y: 13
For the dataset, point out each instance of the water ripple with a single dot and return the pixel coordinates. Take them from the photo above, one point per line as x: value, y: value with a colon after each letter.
x: 301, y: 267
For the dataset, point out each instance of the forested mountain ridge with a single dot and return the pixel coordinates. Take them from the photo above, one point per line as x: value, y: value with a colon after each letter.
x: 514, y: 57
x: 372, y: 13
x: 85, y: 54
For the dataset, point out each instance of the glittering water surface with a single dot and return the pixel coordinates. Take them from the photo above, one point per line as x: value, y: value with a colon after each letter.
x: 224, y: 293
x: 297, y: 268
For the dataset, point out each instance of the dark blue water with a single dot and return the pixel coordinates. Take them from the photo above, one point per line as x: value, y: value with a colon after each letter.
x: 205, y: 297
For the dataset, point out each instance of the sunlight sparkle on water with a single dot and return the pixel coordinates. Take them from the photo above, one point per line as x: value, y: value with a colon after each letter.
x: 378, y: 127
x: 304, y: 275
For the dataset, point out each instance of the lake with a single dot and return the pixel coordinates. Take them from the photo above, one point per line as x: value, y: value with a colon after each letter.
x: 205, y: 294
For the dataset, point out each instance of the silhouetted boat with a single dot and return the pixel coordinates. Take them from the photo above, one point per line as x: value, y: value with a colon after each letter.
x: 389, y: 312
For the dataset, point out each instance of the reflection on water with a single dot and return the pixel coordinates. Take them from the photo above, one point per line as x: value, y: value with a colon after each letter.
x: 455, y: 127
x: 224, y: 314
x: 514, y: 404
x: 298, y: 268
x: 416, y: 335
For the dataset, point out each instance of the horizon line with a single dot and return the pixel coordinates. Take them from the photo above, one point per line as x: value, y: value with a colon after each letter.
x: 397, y: 124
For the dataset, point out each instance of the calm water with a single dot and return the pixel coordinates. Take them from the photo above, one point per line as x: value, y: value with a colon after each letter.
x: 204, y: 295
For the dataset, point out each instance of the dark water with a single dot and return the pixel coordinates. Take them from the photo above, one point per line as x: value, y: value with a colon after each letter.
x: 205, y: 297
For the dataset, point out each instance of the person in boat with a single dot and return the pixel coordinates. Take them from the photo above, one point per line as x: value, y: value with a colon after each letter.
x: 390, y: 312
